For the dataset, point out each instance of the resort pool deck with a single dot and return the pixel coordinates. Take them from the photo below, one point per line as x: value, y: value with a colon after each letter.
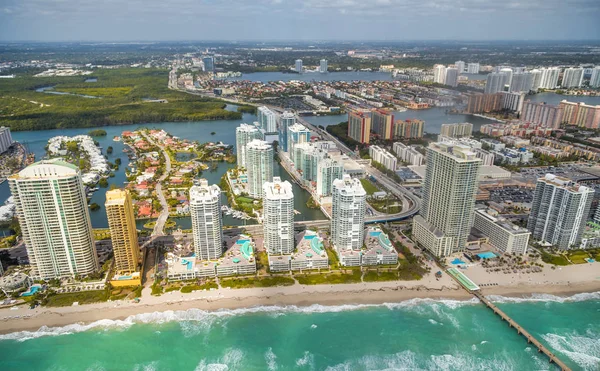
x: 457, y: 261
x: 487, y: 255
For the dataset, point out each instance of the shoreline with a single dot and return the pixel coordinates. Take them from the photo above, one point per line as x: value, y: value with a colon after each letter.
x: 232, y: 299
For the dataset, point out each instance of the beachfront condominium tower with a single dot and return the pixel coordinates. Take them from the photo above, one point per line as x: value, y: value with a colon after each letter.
x: 449, y: 191
x: 549, y: 78
x: 495, y: 82
x: 349, y: 204
x: 123, y: 232
x: 451, y: 77
x: 572, y: 77
x: 439, y: 74
x: 267, y: 119
x: 286, y: 121
x: 259, y: 165
x: 359, y: 125
x: 298, y: 66
x: 244, y: 134
x: 207, y: 226
x: 559, y: 211
x: 54, y: 218
x: 382, y: 123
x: 296, y: 134
x: 278, y: 217
x: 323, y: 66
x: 595, y: 78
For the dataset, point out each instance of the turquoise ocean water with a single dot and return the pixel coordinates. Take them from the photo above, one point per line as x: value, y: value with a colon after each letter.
x: 412, y: 335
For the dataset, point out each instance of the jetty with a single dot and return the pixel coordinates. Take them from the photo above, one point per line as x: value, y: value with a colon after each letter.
x: 473, y: 289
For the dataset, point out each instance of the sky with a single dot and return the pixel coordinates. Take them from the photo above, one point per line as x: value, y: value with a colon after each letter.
x: 386, y: 20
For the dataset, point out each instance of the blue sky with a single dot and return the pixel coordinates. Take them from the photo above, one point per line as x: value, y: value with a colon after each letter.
x: 123, y: 20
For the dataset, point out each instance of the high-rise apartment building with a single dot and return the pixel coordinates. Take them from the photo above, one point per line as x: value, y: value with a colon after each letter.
x: 278, y: 217
x: 297, y: 133
x: 449, y: 190
x: 536, y: 79
x: 495, y: 82
x: 508, y: 72
x: 521, y: 82
x: 348, y: 214
x: 581, y: 114
x: 572, y: 77
x: 382, y: 123
x: 408, y: 129
x: 244, y: 134
x: 328, y: 170
x: 439, y: 74
x: 55, y: 222
x: 543, y: 114
x: 484, y: 103
x: 267, y: 119
x: 504, y: 235
x: 5, y: 139
x: 323, y: 66
x: 359, y: 126
x: 464, y: 129
x: 298, y: 66
x: 207, y: 226
x: 259, y: 166
x: 473, y: 68
x: 123, y: 232
x: 384, y: 157
x: 287, y: 119
x: 408, y: 154
x: 209, y: 64
x: 595, y: 77
x: 451, y: 77
x: 460, y: 66
x: 549, y: 79
x: 559, y: 211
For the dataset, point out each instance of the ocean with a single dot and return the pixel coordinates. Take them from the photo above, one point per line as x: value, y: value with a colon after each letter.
x: 418, y: 334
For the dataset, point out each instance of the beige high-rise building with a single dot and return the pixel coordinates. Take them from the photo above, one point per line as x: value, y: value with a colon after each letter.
x: 55, y: 221
x: 449, y: 190
x: 121, y: 222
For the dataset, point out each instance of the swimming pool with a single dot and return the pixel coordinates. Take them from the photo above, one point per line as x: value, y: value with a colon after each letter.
x: 457, y: 261
x: 32, y: 291
x: 487, y: 255
x: 375, y: 233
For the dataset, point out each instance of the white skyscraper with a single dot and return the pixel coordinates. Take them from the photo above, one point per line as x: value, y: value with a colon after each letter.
x: 559, y: 211
x: 323, y: 66
x: 348, y: 214
x: 244, y: 134
x: 207, y: 227
x: 460, y: 66
x: 278, y: 217
x: 508, y: 79
x: 267, y: 119
x: 298, y: 65
x: 259, y: 166
x: 595, y: 78
x: 537, y: 79
x: 297, y: 134
x: 5, y: 139
x: 54, y: 218
x: 328, y: 170
x: 473, y: 68
x: 448, y: 202
x: 452, y: 77
x: 495, y: 82
x: 549, y: 79
x: 439, y: 74
x: 572, y: 77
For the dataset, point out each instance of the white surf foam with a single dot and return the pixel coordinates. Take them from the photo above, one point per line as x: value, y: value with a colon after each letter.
x: 546, y: 298
x: 583, y: 350
x: 271, y: 360
x: 307, y: 361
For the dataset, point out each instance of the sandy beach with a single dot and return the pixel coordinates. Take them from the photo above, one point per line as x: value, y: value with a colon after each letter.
x: 565, y: 281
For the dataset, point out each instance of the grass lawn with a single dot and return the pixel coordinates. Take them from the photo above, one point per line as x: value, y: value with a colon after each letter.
x: 579, y: 258
x: 334, y: 261
x: 240, y: 283
x: 204, y: 286
x: 369, y: 187
x: 554, y: 259
x: 101, y: 234
x: 329, y: 278
x: 245, y: 200
x: 84, y: 297
x: 373, y: 276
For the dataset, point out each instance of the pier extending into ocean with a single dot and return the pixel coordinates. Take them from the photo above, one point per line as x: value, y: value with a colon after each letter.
x: 473, y: 289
